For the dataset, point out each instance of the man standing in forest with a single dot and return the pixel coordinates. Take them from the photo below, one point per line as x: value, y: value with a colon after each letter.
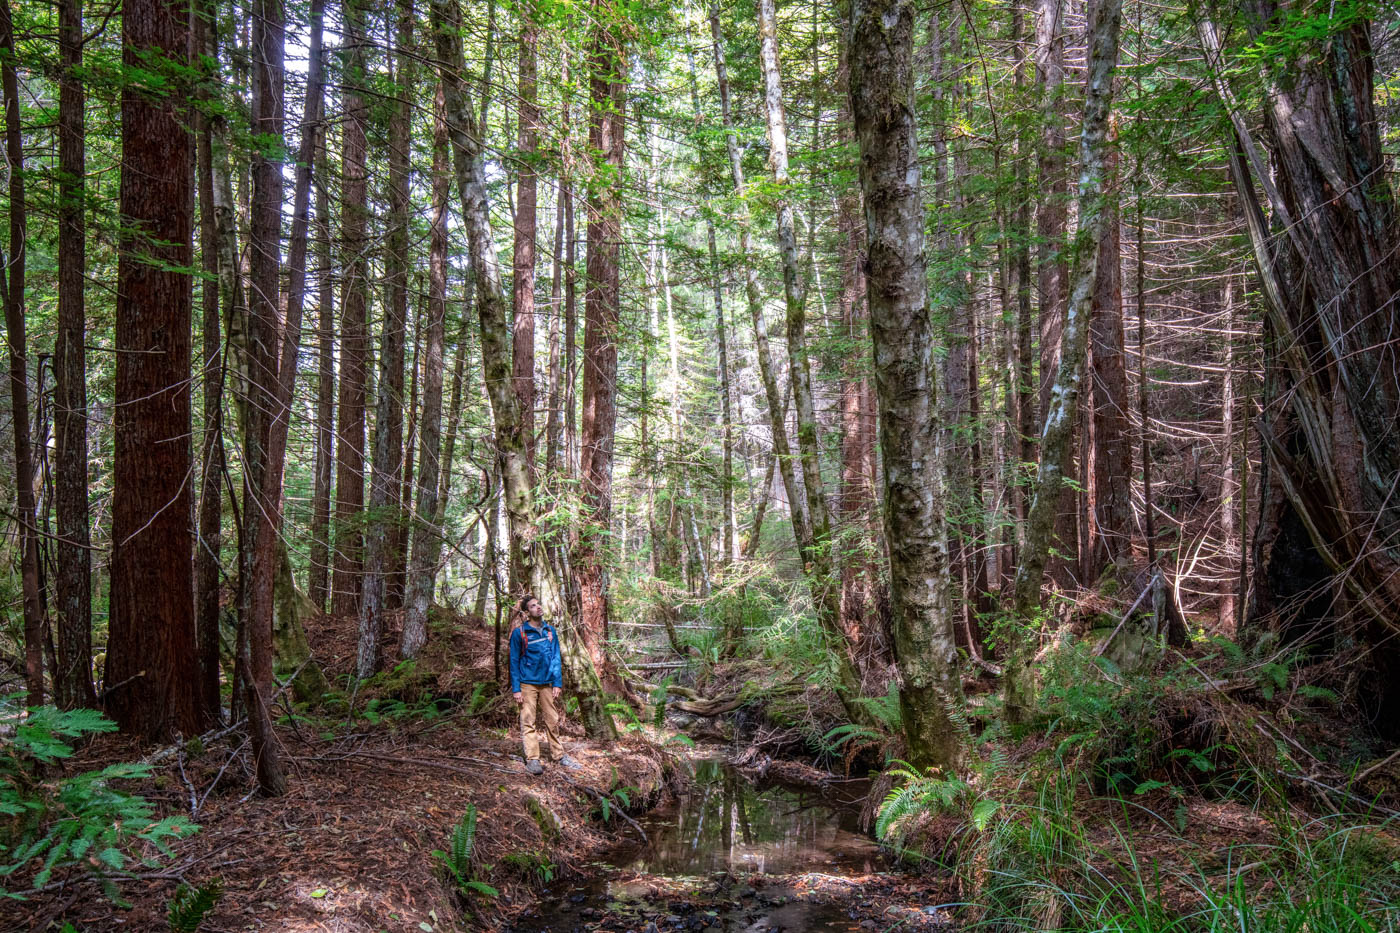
x: 536, y: 681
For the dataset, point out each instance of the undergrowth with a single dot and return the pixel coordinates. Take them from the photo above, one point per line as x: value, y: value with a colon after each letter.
x: 1081, y: 821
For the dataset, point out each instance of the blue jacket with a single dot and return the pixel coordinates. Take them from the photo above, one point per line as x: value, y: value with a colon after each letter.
x: 534, y: 657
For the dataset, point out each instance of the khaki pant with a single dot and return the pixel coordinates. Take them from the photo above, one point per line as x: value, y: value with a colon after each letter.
x: 529, y: 731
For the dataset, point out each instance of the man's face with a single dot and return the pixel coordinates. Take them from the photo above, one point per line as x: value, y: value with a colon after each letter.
x: 535, y: 610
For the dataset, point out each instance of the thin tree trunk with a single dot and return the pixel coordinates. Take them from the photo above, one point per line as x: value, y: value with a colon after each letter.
x: 151, y: 635
x: 212, y: 458
x: 354, y: 334
x: 14, y: 301
x: 1052, y: 266
x: 882, y: 93
x: 1229, y: 488
x: 554, y: 423
x: 1063, y: 413
x: 427, y: 536
x: 386, y: 478
x: 318, y: 585
x: 1110, y: 452
x: 795, y: 293
x: 72, y: 680
x: 526, y: 203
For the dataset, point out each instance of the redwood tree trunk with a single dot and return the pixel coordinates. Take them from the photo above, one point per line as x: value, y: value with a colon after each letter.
x: 386, y: 479
x: 151, y: 642
x: 354, y: 332
x: 602, y: 297
x: 73, y: 582
x: 427, y: 541
x: 1109, y: 447
x: 523, y: 261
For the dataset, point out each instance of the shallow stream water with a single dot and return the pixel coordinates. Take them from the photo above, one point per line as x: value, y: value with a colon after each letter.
x: 729, y: 855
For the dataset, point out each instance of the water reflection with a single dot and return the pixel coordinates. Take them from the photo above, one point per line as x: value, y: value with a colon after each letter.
x: 727, y: 823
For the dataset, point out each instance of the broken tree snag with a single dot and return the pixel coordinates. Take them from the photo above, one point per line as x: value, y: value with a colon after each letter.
x: 1330, y: 516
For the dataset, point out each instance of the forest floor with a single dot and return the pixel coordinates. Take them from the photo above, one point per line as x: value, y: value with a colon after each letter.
x: 373, y: 793
x: 349, y: 847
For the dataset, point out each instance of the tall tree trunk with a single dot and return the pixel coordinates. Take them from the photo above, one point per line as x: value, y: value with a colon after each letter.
x: 1021, y: 450
x: 209, y: 540
x: 882, y: 96
x: 496, y: 361
x: 386, y: 478
x: 427, y: 536
x: 554, y: 423
x: 318, y: 583
x: 262, y: 457
x: 151, y: 639
x: 523, y: 260
x: 1052, y: 266
x: 72, y: 681
x: 729, y: 530
x: 19, y: 374
x: 1230, y: 489
x: 602, y: 299
x: 1109, y: 449
x: 354, y: 328
x: 1063, y: 413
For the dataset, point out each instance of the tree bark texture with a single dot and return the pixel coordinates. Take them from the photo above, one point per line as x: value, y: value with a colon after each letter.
x: 72, y: 680
x: 602, y: 298
x: 354, y: 328
x: 1110, y: 451
x: 427, y: 538
x: 1330, y: 512
x: 882, y: 106
x: 150, y: 683
x: 526, y: 203
x: 386, y: 473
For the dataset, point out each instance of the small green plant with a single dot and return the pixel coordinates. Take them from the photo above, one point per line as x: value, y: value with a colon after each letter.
x: 923, y: 793
x: 457, y: 861
x: 83, y: 821
x: 189, y: 906
x: 617, y: 798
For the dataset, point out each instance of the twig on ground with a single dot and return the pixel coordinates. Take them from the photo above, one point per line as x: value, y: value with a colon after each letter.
x: 612, y: 805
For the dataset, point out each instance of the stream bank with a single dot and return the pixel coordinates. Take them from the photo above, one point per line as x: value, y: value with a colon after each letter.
x: 732, y: 853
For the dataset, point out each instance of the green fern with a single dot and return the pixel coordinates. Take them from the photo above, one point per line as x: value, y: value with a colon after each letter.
x: 189, y: 906
x: 458, y: 859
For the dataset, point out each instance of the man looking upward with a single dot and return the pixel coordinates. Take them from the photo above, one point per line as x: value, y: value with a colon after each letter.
x: 536, y: 681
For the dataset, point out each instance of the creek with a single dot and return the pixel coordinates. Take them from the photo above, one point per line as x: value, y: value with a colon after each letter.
x: 733, y: 856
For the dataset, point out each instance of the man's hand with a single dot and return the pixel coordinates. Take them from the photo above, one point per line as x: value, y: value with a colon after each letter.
x: 558, y: 692
x: 519, y: 697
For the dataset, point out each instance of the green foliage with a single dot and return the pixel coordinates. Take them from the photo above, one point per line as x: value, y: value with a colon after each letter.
x: 618, y: 798
x: 189, y: 906
x: 82, y: 821
x: 457, y: 861
x: 922, y: 793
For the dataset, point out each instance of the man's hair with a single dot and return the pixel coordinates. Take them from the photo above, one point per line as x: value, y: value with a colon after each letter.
x: 525, y: 602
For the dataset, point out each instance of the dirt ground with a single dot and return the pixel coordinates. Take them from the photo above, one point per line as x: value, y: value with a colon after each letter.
x: 349, y: 847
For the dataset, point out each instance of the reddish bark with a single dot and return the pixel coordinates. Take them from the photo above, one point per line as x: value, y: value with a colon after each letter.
x: 151, y: 642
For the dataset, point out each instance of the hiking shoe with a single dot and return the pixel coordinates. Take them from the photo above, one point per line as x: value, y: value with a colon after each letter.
x: 569, y: 763
x: 533, y: 766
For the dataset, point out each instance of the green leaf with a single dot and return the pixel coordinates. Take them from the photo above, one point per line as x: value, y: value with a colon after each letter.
x: 982, y: 813
x: 319, y: 892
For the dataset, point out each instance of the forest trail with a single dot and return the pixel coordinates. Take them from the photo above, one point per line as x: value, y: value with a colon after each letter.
x: 349, y: 848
